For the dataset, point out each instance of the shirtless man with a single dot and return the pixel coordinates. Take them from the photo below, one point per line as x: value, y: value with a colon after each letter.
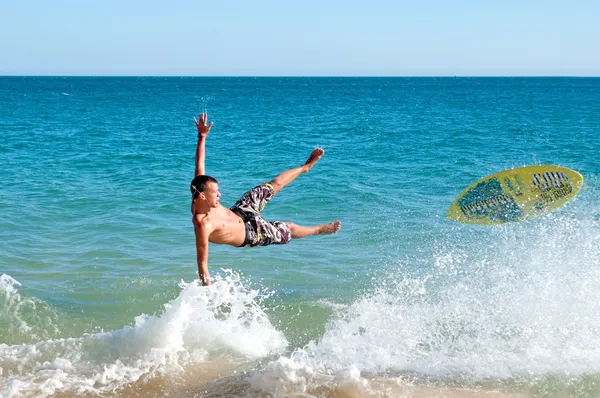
x: 242, y: 225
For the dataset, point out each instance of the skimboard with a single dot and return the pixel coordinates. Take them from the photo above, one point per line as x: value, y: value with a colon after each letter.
x: 515, y: 195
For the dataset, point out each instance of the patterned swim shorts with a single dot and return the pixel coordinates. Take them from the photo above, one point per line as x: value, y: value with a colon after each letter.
x: 260, y: 232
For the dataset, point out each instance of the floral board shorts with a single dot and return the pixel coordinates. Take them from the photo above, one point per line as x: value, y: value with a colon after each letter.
x: 260, y: 232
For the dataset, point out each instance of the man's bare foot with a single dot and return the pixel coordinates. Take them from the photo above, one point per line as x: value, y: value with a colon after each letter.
x: 331, y: 228
x: 315, y: 155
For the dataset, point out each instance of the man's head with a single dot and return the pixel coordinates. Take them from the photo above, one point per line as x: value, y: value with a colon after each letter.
x: 206, y: 188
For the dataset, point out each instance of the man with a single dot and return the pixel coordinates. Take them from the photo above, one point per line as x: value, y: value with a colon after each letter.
x: 241, y: 225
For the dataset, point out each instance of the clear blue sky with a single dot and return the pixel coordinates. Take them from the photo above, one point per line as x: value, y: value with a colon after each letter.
x: 306, y: 38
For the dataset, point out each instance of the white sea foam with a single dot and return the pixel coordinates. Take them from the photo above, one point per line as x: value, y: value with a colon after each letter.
x: 523, y: 301
x: 200, y: 324
x: 8, y: 283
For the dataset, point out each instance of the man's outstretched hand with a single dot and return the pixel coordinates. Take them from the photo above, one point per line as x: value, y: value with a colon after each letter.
x: 203, y: 129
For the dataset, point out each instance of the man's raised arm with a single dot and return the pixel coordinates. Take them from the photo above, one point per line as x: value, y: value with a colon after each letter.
x: 203, y: 130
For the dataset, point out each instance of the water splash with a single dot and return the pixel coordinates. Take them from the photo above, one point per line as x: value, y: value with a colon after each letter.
x: 509, y: 305
x: 200, y: 325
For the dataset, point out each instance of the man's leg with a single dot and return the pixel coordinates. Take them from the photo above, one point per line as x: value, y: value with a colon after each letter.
x: 298, y: 231
x: 288, y: 176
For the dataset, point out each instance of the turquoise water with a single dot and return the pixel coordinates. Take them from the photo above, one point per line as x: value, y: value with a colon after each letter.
x: 99, y: 293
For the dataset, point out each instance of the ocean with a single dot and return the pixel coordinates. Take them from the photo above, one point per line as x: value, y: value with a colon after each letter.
x: 99, y: 292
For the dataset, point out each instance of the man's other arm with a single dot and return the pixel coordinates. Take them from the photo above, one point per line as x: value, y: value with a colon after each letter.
x: 202, y: 233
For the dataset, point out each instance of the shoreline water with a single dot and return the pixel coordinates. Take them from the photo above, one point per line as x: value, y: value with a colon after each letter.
x: 99, y: 295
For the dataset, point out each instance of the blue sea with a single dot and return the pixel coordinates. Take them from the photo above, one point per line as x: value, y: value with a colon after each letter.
x: 99, y: 291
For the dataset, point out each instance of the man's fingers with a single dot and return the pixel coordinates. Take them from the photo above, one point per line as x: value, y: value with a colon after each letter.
x: 201, y: 121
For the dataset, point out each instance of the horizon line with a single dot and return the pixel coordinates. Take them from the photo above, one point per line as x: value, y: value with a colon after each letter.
x: 303, y: 76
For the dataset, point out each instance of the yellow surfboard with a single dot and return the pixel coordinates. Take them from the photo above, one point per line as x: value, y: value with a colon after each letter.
x: 515, y: 195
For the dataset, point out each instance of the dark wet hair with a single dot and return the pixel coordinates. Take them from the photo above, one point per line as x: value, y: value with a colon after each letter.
x: 199, y: 183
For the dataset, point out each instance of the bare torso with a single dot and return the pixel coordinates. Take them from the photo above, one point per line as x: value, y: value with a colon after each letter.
x: 224, y: 226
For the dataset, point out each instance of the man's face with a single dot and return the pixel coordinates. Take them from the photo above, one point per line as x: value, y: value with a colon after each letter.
x: 212, y: 194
